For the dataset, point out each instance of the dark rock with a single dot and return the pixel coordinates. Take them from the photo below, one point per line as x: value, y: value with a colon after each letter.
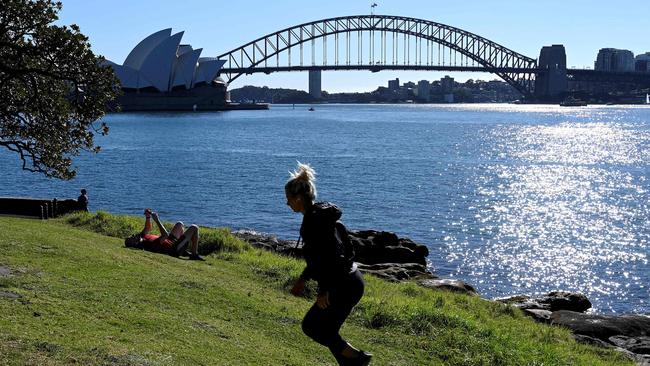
x: 449, y: 285
x: 591, y: 340
x: 380, y: 253
x: 562, y: 300
x: 603, y: 326
x: 373, y: 247
x: 539, y: 315
x: 642, y: 360
x: 396, y: 271
x: 370, y: 247
x: 553, y: 301
x: 269, y: 242
x: 639, y: 345
x: 522, y: 302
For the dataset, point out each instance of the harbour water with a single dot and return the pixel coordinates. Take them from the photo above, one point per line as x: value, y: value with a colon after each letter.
x: 510, y: 198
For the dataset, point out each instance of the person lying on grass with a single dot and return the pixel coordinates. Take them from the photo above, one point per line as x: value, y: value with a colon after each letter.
x: 174, y: 242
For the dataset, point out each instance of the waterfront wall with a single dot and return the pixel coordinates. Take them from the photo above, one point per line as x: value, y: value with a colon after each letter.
x: 202, y: 98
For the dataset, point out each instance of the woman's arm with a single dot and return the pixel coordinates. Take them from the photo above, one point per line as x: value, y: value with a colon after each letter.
x: 161, y: 227
x: 298, y: 287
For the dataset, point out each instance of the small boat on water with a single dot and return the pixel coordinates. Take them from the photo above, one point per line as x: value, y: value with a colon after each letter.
x: 311, y: 109
x: 573, y: 102
x: 647, y: 98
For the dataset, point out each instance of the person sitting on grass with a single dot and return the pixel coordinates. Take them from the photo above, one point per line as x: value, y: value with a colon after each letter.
x: 82, y: 201
x: 174, y: 242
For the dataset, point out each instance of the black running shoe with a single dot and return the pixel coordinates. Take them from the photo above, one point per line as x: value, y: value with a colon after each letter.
x: 364, y: 358
x: 196, y: 257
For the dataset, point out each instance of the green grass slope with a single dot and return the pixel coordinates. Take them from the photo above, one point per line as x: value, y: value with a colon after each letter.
x: 75, y: 295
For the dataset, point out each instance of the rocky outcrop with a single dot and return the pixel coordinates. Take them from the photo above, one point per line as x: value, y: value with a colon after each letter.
x: 553, y: 301
x: 603, y: 327
x: 638, y: 345
x: 269, y: 242
x: 628, y: 333
x: 539, y: 315
x: 449, y: 285
x: 379, y: 253
x: 396, y: 272
x: 373, y: 247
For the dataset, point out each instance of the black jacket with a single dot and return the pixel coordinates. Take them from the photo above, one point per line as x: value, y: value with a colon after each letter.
x: 323, y: 250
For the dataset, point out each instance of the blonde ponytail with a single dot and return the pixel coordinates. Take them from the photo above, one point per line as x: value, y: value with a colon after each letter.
x: 301, y: 183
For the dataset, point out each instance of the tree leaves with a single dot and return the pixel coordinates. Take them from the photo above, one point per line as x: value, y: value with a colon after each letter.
x: 52, y: 88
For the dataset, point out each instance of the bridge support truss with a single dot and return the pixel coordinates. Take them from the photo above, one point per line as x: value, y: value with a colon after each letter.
x: 379, y: 42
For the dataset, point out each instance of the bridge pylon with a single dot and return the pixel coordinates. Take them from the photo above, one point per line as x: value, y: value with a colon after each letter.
x: 551, y: 83
x: 315, y: 83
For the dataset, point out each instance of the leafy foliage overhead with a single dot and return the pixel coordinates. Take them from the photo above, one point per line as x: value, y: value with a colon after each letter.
x: 52, y: 88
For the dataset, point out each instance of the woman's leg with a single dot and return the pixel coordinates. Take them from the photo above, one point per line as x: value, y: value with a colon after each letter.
x: 189, y: 237
x: 177, y: 230
x: 323, y: 325
x: 192, y: 234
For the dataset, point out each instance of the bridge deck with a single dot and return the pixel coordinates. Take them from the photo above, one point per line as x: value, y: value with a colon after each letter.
x: 377, y: 68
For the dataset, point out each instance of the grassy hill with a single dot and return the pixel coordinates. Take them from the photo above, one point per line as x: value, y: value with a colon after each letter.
x: 70, y: 293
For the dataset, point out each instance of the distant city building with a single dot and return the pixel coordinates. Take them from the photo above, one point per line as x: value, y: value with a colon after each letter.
x: 393, y: 84
x: 160, y: 63
x: 409, y: 85
x: 447, y: 85
x: 642, y: 62
x: 424, y: 88
x: 612, y: 59
x: 315, y: 83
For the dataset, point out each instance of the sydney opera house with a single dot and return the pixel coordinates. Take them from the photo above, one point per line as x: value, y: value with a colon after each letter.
x: 160, y: 73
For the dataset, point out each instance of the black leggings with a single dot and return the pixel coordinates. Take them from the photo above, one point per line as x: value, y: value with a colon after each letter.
x: 323, y: 325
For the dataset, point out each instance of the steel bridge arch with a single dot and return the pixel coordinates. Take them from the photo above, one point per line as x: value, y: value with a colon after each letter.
x: 516, y: 69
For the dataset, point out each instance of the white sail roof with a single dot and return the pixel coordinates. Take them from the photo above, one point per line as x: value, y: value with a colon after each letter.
x: 129, y: 78
x: 157, y: 66
x: 184, y: 68
x: 137, y: 56
x: 184, y: 48
x: 160, y: 61
x: 207, y: 69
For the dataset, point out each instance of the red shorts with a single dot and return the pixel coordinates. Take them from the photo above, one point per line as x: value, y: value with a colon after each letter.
x: 155, y: 244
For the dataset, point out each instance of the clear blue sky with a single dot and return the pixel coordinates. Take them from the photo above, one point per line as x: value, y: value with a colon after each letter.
x: 115, y: 27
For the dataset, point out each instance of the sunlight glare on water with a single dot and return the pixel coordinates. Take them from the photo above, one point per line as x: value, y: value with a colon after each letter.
x: 569, y: 204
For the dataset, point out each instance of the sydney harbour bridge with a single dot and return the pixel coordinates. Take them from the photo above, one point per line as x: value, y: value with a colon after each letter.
x: 384, y: 42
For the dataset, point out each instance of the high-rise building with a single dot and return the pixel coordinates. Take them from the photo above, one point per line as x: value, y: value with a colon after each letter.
x: 642, y: 62
x: 612, y: 59
x: 424, y: 90
x: 447, y: 84
x: 393, y: 84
